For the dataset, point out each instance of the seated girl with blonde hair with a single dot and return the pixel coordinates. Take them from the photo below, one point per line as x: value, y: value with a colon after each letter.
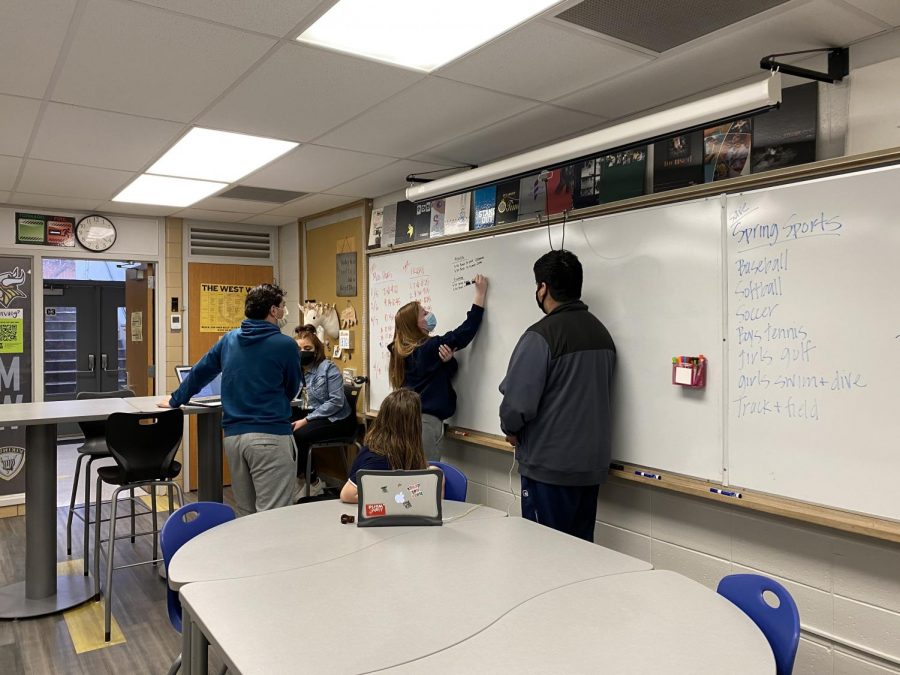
x: 393, y: 442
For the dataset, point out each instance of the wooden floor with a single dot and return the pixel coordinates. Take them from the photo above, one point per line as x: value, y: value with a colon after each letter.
x: 45, y: 645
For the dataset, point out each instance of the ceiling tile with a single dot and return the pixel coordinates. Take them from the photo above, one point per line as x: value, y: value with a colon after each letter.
x: 429, y: 113
x: 692, y: 70
x: 211, y: 216
x: 69, y: 180
x: 9, y: 169
x: 265, y: 16
x: 4, y: 197
x: 885, y: 10
x: 384, y: 180
x: 533, y: 128
x: 31, y: 34
x: 270, y: 220
x: 50, y: 202
x: 98, y: 138
x: 302, y: 92
x: 313, y: 168
x: 312, y: 204
x: 136, y: 59
x: 124, y: 208
x: 238, y: 206
x: 544, y: 61
x: 18, y: 116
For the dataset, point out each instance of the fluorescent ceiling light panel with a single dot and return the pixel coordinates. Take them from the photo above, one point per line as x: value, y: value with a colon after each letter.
x: 748, y: 99
x: 420, y: 34
x: 218, y: 155
x: 167, y: 191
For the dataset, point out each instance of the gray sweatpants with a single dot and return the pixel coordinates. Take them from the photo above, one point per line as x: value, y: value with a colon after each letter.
x: 262, y: 468
x: 432, y: 435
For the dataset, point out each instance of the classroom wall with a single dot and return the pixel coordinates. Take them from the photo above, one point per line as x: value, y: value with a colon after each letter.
x: 287, y: 274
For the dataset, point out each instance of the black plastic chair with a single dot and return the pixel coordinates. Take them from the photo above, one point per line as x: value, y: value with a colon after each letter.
x: 94, y: 448
x: 144, y: 447
x: 351, y: 391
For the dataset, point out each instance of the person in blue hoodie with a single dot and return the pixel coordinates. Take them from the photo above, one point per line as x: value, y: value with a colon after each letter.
x: 425, y: 363
x: 261, y: 375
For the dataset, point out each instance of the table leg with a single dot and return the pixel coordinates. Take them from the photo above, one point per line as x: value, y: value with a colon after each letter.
x: 209, y: 456
x: 42, y: 592
x: 199, y: 651
x: 187, y: 627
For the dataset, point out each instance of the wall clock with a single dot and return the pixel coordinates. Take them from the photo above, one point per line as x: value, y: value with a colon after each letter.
x: 95, y: 233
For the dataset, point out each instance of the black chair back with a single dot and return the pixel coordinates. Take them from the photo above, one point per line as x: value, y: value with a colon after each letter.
x: 96, y: 429
x: 352, y: 390
x: 144, y: 444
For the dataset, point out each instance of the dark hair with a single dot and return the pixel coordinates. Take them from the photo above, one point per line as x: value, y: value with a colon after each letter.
x: 562, y: 273
x: 261, y: 299
x: 308, y: 332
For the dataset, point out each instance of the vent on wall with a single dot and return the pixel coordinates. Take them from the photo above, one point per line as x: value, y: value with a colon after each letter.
x: 659, y: 25
x: 213, y: 243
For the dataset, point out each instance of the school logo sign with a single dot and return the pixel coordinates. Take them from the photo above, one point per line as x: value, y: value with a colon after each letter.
x: 9, y: 286
x: 12, y: 459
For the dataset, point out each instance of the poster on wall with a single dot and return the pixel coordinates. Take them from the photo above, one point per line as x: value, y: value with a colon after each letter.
x: 60, y: 231
x: 484, y: 204
x: 375, y: 228
x: 30, y: 228
x: 406, y: 214
x: 678, y: 161
x: 15, y: 364
x: 726, y: 150
x: 345, y: 275
x: 787, y: 136
x: 221, y: 307
x: 622, y: 175
x: 456, y: 213
x: 422, y: 221
x: 438, y: 211
x: 508, y: 202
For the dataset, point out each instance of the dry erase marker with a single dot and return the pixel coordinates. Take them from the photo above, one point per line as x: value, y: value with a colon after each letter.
x: 725, y: 493
x: 648, y: 475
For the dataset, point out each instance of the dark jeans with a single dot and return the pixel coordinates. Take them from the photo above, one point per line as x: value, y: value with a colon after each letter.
x: 317, y: 430
x: 567, y: 508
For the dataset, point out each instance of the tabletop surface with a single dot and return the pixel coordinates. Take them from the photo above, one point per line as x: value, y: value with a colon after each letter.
x: 57, y: 412
x: 402, y: 599
x: 637, y: 623
x: 291, y: 537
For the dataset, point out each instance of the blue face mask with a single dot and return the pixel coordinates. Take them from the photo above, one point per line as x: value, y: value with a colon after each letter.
x: 431, y: 321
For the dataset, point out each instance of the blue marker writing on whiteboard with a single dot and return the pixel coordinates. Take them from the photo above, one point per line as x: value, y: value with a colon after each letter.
x: 648, y: 475
x: 725, y: 493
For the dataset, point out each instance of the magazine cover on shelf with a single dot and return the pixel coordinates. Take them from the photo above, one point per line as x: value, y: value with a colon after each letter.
x: 456, y: 213
x: 587, y: 183
x: 406, y: 215
x: 422, y: 221
x: 726, y: 150
x: 485, y: 204
x: 375, y: 224
x: 622, y: 175
x: 532, y: 197
x: 560, y: 189
x: 678, y: 161
x: 438, y: 210
x: 389, y: 225
x: 787, y: 136
x: 507, y: 202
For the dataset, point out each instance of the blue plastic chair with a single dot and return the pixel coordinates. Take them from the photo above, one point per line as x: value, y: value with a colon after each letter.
x: 456, y: 480
x: 176, y: 532
x: 780, y: 625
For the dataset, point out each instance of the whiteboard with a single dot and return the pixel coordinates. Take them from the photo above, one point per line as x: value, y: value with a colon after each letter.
x: 814, y: 333
x: 654, y: 277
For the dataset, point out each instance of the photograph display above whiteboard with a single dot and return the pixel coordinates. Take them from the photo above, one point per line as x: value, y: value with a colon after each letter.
x: 814, y: 335
x: 653, y: 276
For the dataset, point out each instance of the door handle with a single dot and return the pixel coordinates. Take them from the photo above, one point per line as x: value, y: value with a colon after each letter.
x: 91, y: 366
x: 104, y: 362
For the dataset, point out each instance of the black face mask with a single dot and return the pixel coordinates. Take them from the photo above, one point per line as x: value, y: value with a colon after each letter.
x: 538, y: 300
x: 306, y: 358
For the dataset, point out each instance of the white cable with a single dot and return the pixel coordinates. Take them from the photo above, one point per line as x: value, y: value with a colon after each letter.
x: 513, y: 500
x: 462, y: 515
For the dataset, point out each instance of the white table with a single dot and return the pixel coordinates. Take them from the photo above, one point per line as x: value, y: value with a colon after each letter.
x: 292, y: 537
x: 638, y: 623
x: 43, y: 592
x: 402, y: 599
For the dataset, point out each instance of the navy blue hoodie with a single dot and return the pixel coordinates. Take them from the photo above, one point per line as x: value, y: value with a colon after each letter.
x: 260, y: 376
x: 430, y: 377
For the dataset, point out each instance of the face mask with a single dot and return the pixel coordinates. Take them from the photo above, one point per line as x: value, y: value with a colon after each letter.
x: 430, y: 321
x: 282, y: 322
x: 538, y: 300
x: 306, y: 358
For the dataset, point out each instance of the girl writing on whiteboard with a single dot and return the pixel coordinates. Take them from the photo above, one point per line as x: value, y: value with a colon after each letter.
x: 393, y: 442
x: 326, y: 412
x: 425, y: 363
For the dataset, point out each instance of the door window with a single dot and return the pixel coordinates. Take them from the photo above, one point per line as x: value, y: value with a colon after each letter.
x: 60, y: 351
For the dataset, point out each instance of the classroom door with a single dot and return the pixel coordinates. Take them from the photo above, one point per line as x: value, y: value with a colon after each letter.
x: 84, y: 347
x: 139, y: 363
x: 200, y: 337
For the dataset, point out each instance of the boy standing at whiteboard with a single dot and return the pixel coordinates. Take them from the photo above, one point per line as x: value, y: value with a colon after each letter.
x: 556, y: 402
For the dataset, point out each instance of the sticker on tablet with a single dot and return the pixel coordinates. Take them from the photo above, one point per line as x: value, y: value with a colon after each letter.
x: 375, y: 510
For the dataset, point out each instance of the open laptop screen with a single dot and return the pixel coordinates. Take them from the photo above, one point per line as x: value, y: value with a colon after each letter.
x: 214, y: 388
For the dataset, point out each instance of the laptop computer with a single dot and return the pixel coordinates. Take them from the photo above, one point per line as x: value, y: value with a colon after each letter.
x: 399, y: 498
x: 211, y: 394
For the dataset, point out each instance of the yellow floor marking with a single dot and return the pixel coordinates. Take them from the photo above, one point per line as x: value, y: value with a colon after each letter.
x: 85, y: 622
x: 162, y: 502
